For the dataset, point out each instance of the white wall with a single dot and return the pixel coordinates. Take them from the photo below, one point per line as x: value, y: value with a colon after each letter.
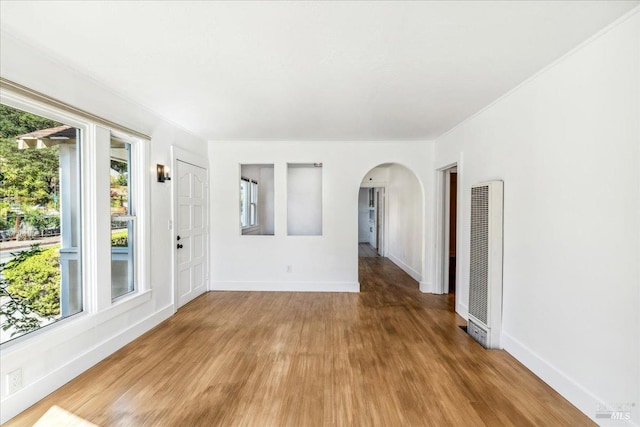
x: 404, y: 229
x: 376, y: 177
x: 54, y: 355
x: 266, y: 200
x: 320, y: 263
x: 304, y: 200
x: 567, y: 145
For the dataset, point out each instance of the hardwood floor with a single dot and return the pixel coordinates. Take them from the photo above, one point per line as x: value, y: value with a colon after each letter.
x: 389, y: 356
x: 366, y: 250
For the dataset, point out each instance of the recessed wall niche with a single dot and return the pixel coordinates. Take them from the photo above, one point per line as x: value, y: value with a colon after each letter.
x: 304, y: 199
x: 256, y: 200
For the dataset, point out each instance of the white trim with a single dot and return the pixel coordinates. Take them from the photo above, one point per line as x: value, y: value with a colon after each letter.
x: 17, y: 402
x: 286, y: 286
x: 66, y: 108
x: 374, y: 184
x: 576, y: 394
x: 446, y: 228
x: 426, y: 287
x: 74, y: 325
x: 251, y: 228
x: 385, y: 211
x: 462, y: 309
x: 188, y: 157
x: 139, y: 186
x: 406, y: 268
x: 441, y: 232
x: 88, y: 226
x: 101, y: 245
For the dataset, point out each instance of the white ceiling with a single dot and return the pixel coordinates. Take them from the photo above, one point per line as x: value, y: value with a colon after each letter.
x: 310, y: 70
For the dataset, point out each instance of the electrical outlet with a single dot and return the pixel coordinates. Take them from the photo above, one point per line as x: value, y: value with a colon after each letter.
x: 289, y: 269
x: 14, y: 381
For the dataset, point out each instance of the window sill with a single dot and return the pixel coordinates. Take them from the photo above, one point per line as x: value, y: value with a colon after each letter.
x: 122, y: 304
x: 245, y: 231
x: 75, y: 325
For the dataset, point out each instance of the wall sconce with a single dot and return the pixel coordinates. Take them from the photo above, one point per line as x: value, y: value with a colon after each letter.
x: 162, y: 174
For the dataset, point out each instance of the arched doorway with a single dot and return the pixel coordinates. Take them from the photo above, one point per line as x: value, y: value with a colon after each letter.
x: 390, y: 217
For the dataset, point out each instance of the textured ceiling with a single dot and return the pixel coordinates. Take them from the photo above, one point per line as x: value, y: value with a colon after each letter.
x: 310, y: 70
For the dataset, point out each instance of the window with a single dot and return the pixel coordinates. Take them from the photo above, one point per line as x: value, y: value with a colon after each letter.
x: 123, y: 219
x: 248, y: 202
x: 56, y: 166
x: 40, y: 222
x: 256, y: 199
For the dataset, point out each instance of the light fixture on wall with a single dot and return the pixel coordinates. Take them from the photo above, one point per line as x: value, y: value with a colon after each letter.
x: 163, y: 175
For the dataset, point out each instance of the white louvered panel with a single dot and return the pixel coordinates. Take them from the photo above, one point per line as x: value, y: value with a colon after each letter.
x: 485, y: 272
x: 478, y: 280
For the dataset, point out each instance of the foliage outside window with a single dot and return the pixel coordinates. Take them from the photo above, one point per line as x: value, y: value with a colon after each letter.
x: 123, y: 219
x: 40, y: 185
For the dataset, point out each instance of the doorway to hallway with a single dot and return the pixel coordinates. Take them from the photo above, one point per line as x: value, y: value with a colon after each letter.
x: 391, y: 217
x: 371, y: 210
x: 453, y: 226
x: 448, y: 229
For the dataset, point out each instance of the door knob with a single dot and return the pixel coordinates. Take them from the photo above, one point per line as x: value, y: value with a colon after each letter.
x: 178, y: 238
x: 180, y: 246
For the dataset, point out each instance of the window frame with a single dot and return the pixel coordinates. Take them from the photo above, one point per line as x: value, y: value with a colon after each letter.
x: 249, y: 204
x: 94, y: 242
x: 48, y: 112
x: 132, y: 210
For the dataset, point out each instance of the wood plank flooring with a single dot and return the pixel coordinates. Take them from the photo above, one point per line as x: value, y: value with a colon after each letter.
x: 389, y: 356
x: 366, y: 250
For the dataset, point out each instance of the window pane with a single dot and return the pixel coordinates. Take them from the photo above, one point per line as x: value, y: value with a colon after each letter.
x: 122, y: 279
x: 253, y: 214
x: 254, y: 202
x: 254, y: 192
x: 122, y: 220
x: 244, y: 200
x: 39, y: 222
x: 258, y: 199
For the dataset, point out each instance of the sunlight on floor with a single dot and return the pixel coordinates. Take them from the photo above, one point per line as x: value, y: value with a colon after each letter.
x: 57, y: 416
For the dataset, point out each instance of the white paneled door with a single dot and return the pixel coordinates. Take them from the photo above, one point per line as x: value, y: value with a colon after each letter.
x: 192, y: 235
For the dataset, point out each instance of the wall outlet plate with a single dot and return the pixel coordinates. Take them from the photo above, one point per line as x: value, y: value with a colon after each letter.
x: 14, y: 381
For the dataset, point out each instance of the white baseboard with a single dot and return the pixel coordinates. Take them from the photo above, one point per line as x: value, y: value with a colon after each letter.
x: 287, y: 286
x: 462, y: 310
x: 580, y: 397
x: 17, y: 402
x: 426, y: 287
x: 410, y: 271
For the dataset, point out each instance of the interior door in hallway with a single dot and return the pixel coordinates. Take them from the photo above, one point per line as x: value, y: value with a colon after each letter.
x: 379, y: 220
x: 192, y: 232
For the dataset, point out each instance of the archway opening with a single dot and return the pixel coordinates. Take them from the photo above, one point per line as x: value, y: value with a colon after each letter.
x: 390, y: 217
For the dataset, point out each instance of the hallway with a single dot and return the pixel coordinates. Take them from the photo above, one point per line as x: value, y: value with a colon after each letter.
x: 387, y: 356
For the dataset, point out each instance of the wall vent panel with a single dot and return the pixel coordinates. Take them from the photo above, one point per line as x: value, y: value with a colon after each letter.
x: 485, y: 266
